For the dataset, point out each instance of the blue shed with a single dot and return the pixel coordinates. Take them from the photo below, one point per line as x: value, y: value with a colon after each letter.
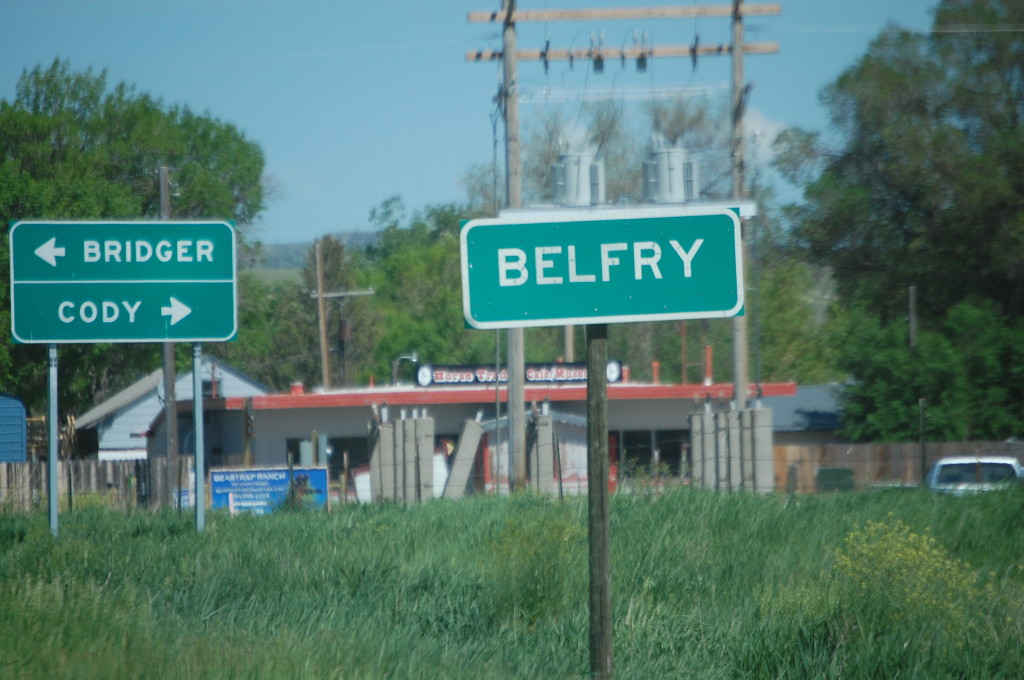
x: 12, y: 429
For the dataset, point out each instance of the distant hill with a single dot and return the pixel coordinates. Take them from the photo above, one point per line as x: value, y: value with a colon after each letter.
x: 293, y: 255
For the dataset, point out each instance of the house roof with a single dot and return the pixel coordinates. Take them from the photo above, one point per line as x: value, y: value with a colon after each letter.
x: 146, y: 386
x: 130, y: 394
x: 813, y: 408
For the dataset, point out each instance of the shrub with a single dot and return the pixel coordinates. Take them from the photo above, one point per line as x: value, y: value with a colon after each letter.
x: 885, y: 575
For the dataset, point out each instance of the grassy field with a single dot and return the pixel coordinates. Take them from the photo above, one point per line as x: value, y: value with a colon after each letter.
x: 885, y: 584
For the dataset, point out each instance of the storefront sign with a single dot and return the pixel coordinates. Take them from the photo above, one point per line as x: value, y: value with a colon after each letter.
x: 428, y: 375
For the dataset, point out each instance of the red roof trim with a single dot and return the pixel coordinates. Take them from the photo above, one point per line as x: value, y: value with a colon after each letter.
x: 417, y: 396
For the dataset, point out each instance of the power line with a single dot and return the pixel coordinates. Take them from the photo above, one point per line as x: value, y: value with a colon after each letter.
x: 866, y: 28
x: 548, y: 95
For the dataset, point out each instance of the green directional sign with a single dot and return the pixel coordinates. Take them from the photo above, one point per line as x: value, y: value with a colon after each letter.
x: 602, y: 266
x: 122, y: 282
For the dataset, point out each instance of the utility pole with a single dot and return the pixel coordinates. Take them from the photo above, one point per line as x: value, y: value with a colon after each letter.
x: 514, y: 187
x: 321, y: 308
x: 341, y: 297
x: 173, y: 477
x: 625, y: 52
x: 740, y: 346
x: 598, y: 503
x: 922, y: 403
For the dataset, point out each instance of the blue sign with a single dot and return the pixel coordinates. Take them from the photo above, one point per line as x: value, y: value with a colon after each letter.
x: 260, y: 491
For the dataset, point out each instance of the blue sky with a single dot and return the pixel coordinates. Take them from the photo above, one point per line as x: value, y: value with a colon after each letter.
x: 354, y: 102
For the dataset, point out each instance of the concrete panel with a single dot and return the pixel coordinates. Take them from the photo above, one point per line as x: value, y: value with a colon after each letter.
x: 764, y: 446
x: 723, y: 457
x: 462, y: 460
x: 424, y: 454
x: 544, y: 454
x: 703, y: 437
x: 382, y: 451
x: 406, y: 458
x: 748, y: 455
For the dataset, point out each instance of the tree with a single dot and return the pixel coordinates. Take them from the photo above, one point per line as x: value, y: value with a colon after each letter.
x: 543, y: 143
x: 924, y: 186
x: 484, y: 184
x: 72, y: 148
x: 966, y: 371
x: 277, y: 341
x: 417, y: 304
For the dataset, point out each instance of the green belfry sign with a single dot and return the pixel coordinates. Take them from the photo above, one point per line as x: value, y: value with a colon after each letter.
x: 602, y: 266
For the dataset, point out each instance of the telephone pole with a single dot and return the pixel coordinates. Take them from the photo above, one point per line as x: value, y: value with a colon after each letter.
x: 321, y: 310
x: 740, y: 346
x: 342, y: 297
x: 514, y: 188
x: 173, y: 477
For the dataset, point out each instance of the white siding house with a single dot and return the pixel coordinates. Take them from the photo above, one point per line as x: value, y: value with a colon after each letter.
x: 119, y: 426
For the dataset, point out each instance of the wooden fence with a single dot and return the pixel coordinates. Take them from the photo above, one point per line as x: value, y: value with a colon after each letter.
x: 797, y: 467
x: 119, y: 484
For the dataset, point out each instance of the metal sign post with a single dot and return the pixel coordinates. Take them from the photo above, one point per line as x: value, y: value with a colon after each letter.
x: 53, y: 432
x: 197, y: 413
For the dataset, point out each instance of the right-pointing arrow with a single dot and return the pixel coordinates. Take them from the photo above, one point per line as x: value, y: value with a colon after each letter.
x: 176, y: 310
x: 49, y: 252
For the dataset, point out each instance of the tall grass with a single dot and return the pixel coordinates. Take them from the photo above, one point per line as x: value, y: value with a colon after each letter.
x: 704, y: 585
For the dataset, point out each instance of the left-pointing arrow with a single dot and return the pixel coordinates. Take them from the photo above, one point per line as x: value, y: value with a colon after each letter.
x: 176, y: 310
x: 49, y: 252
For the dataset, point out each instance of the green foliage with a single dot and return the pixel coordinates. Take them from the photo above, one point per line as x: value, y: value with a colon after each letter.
x: 703, y: 585
x: 925, y: 188
x: 967, y: 371
x: 414, y: 270
x: 886, y: 575
x: 535, y: 561
x: 893, y: 601
x: 73, y: 148
x: 415, y: 273
x: 277, y: 343
x: 792, y: 342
